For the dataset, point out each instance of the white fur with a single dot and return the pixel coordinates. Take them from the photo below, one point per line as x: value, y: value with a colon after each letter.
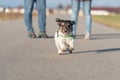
x: 62, y: 43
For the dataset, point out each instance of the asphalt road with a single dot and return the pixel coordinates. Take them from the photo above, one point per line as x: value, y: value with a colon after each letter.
x: 22, y: 58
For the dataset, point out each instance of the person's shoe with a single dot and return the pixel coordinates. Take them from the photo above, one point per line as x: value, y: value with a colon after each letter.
x: 87, y: 36
x: 43, y: 35
x: 74, y: 35
x: 31, y: 35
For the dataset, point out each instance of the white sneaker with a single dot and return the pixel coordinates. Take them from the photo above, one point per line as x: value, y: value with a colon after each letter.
x: 74, y: 35
x: 87, y: 36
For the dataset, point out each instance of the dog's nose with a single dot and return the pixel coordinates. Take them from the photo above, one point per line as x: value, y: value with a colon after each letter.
x: 65, y: 31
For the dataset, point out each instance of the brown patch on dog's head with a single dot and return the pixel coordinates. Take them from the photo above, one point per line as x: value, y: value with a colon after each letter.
x: 65, y: 26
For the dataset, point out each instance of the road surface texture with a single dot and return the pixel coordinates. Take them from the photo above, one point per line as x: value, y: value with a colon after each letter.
x: 22, y: 58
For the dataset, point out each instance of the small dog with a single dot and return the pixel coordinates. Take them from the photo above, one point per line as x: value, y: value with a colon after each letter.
x: 64, y: 38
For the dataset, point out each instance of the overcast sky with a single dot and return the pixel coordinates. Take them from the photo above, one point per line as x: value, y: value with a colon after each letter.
x: 54, y: 3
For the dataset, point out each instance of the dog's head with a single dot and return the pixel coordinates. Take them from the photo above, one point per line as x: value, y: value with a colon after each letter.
x: 65, y: 26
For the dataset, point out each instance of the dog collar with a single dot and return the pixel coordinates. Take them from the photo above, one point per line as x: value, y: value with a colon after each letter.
x: 67, y: 36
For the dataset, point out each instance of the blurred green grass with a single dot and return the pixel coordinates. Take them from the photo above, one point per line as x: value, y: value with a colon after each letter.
x: 10, y: 16
x: 112, y: 20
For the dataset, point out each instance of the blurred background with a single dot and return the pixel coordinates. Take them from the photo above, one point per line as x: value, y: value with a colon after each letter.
x: 101, y: 10
x: 55, y: 3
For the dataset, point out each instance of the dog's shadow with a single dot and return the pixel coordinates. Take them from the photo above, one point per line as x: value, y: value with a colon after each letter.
x: 110, y: 50
x: 100, y: 36
x: 99, y: 51
x: 95, y: 36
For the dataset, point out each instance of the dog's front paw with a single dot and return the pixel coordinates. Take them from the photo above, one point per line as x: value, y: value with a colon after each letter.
x: 69, y: 51
x: 72, y: 48
x: 59, y: 52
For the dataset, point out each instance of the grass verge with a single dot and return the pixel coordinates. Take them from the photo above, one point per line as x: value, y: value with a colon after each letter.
x: 10, y: 16
x: 112, y: 20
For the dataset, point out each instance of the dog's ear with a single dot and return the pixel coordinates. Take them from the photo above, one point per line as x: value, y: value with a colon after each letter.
x: 72, y: 22
x: 57, y: 20
x: 60, y: 20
